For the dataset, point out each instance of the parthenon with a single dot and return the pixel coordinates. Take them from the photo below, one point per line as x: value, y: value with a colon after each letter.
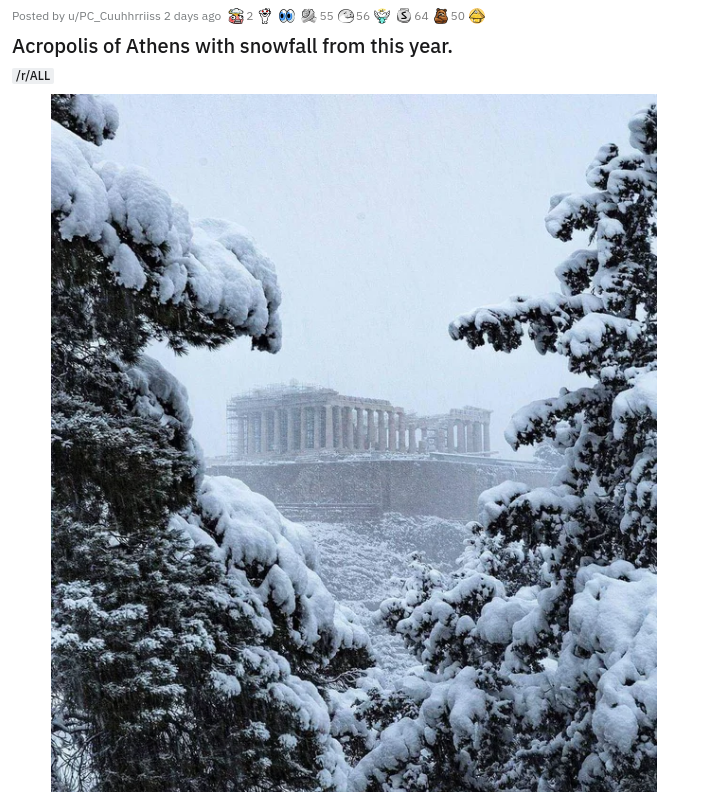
x: 293, y: 420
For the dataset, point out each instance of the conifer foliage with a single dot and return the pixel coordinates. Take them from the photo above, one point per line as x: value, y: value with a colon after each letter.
x: 193, y: 640
x: 539, y: 653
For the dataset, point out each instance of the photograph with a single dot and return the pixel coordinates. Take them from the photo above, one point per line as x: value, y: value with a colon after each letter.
x: 353, y: 434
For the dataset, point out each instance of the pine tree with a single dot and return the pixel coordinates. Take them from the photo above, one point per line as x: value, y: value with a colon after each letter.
x: 178, y: 662
x: 542, y: 675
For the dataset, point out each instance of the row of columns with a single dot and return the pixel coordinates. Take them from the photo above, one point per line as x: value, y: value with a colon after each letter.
x: 317, y: 427
x: 457, y: 436
x: 467, y: 436
x: 343, y: 427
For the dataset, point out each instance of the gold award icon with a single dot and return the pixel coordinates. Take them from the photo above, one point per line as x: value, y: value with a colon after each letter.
x: 476, y: 16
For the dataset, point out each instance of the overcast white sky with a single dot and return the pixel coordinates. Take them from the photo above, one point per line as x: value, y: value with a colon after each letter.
x: 386, y: 216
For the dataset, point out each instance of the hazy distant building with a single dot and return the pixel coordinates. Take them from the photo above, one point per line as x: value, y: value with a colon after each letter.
x: 319, y: 455
x: 292, y: 420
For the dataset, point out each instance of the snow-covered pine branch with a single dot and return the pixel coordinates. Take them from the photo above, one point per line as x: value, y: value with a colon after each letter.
x: 194, y: 643
x: 198, y: 282
x: 539, y: 657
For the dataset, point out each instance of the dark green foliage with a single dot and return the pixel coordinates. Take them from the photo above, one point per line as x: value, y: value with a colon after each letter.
x: 539, y: 654
x: 165, y: 674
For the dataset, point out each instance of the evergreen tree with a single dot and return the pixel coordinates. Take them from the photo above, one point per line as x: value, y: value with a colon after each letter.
x: 540, y: 657
x: 193, y: 640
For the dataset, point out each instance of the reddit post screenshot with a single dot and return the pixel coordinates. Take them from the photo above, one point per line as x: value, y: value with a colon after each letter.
x: 351, y: 482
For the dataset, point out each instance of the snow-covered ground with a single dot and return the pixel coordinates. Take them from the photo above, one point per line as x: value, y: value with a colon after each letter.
x: 357, y: 562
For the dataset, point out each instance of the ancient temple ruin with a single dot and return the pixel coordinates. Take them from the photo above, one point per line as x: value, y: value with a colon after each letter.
x: 295, y: 420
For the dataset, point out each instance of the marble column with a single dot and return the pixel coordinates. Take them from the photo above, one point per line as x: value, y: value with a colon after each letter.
x: 450, y: 441
x: 360, y: 438
x: 241, y: 436
x: 412, y: 438
x: 423, y: 441
x: 401, y: 426
x: 291, y: 430
x: 382, y: 434
x: 338, y: 428
x: 328, y: 427
x: 470, y: 446
x: 251, y: 435
x: 304, y: 426
x: 440, y: 438
x: 477, y: 437
x: 461, y: 436
x: 486, y: 436
x: 253, y: 421
x: 342, y: 427
x: 317, y: 418
x: 372, y: 437
x: 276, y: 431
x: 348, y: 417
x: 392, y: 437
x: 264, y: 432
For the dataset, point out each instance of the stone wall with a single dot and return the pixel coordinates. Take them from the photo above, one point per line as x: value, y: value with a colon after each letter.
x: 438, y: 487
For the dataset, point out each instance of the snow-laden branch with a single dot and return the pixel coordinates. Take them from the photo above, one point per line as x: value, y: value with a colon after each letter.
x: 502, y: 325
x: 212, y: 267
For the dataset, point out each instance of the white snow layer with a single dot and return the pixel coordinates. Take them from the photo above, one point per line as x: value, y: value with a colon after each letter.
x: 544, y: 412
x: 521, y: 308
x: 161, y: 397
x: 612, y: 644
x: 150, y: 242
x: 253, y: 535
x: 458, y: 700
x: 254, y: 539
x: 587, y: 336
x: 639, y: 399
x: 590, y: 279
x: 95, y: 116
x: 608, y: 653
x: 160, y: 394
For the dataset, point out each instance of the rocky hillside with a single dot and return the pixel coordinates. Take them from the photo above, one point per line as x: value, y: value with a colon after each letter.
x: 358, y: 562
